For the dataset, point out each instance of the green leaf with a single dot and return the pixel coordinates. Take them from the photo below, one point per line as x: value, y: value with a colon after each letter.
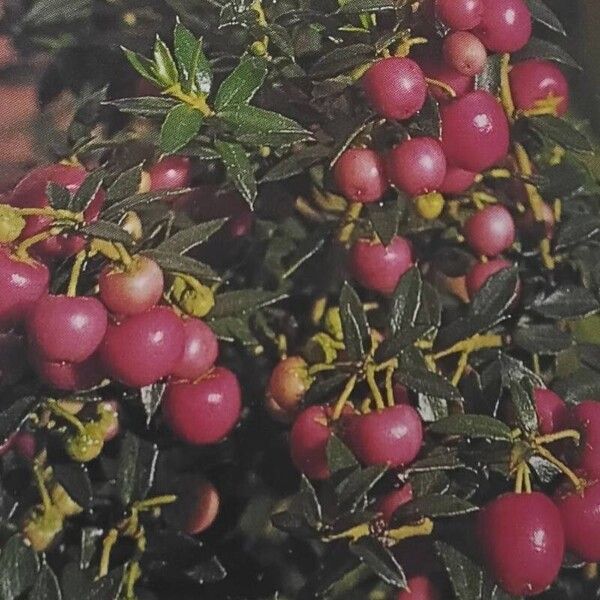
x: 183, y: 241
x: 58, y: 196
x: 342, y: 60
x: 428, y: 121
x: 354, y: 7
x: 136, y: 468
x: 561, y: 132
x: 265, y: 126
x: 144, y: 106
x: 489, y: 78
x: 180, y: 126
x: 175, y: 263
x: 151, y: 397
x: 125, y: 185
x: 234, y: 330
x: 521, y: 393
x: 296, y: 163
x: 76, y: 481
x: 106, y: 230
x: 354, y: 323
x: 241, y: 302
x: 380, y: 560
x: 118, y: 209
x: 86, y: 193
x: 541, y: 13
x: 13, y: 417
x: 542, y: 339
x: 194, y: 67
x: 433, y: 506
x: 46, y: 585
x: 495, y: 297
x: 108, y: 587
x: 352, y: 490
x: 472, y: 426
x: 544, y: 50
x: 577, y: 230
x: 239, y: 169
x: 244, y: 81
x: 339, y: 456
x: 567, y: 303
x: 166, y: 69
x: 385, y: 217
x: 465, y: 576
x: 311, y: 507
x: 406, y: 301
x: 145, y: 67
x: 18, y: 568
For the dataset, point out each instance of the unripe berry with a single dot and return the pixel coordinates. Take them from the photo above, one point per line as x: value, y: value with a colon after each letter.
x: 430, y: 206
x: 464, y: 52
x: 552, y: 411
x: 287, y: 386
x: 490, y: 231
x: 359, y: 175
x: 308, y: 442
x: 417, y: 166
x: 11, y: 224
x: 395, y: 87
x: 459, y: 15
x: 378, y: 267
x: 586, y: 417
x: 505, y: 25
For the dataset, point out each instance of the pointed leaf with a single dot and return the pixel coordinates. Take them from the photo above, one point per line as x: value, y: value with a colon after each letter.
x: 180, y: 126
x: 242, y: 84
x: 354, y: 323
x: 380, y: 560
x: 472, y: 426
x: 183, y: 241
x: 239, y: 169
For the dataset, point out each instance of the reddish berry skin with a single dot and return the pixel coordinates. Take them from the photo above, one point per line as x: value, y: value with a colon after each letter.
x: 439, y: 70
x: 22, y: 284
x: 420, y: 588
x: 144, y: 348
x: 457, y: 181
x: 522, y: 529
x: 287, y: 386
x: 534, y: 80
x: 465, y: 53
x: 67, y: 376
x: 24, y: 444
x: 459, y: 15
x: 133, y: 289
x: 378, y: 267
x: 475, y: 132
x: 505, y: 25
x: 200, y: 351
x: 66, y: 329
x: 387, y: 505
x: 391, y: 436
x: 587, y: 420
x: 580, y: 513
x: 417, y: 166
x: 552, y: 411
x: 395, y: 87
x: 204, y: 411
x: 481, y: 272
x: 534, y: 230
x: 359, y: 175
x: 490, y: 231
x: 308, y: 442
x: 170, y: 173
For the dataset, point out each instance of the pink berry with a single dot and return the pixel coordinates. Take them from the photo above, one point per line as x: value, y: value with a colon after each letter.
x: 200, y: 351
x: 387, y: 505
x: 552, y: 411
x: 480, y: 272
x: 420, y: 588
x: 464, y: 52
x: 459, y: 15
x: 490, y: 231
x: 360, y: 175
x: 170, y: 173
x: 457, y: 181
x: 505, y: 26
x: 308, y: 442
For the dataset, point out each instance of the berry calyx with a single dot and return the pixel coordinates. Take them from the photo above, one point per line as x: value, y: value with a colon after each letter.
x: 522, y: 529
x: 505, y: 25
x: 420, y: 588
x: 430, y: 206
x: 204, y: 411
x: 465, y: 53
x: 86, y: 445
x: 480, y: 272
x: 359, y: 175
x: 66, y: 329
x: 388, y: 504
x: 490, y: 231
x: 308, y: 442
x: 586, y: 418
x: 395, y: 87
x: 170, y: 173
x: 475, y: 132
x: 534, y: 82
x: 42, y: 526
x: 391, y: 436
x: 201, y: 349
x: 289, y: 382
x: 378, y: 267
x: 459, y: 15
x: 417, y: 166
x: 580, y: 514
x: 131, y: 289
x: 552, y: 411
x: 143, y: 349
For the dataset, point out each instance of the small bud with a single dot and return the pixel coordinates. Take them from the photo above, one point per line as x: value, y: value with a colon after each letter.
x: 87, y: 445
x: 430, y: 206
x: 195, y: 299
x: 333, y: 323
x: 11, y: 224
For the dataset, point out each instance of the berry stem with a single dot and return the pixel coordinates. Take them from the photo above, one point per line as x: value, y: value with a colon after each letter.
x: 197, y: 101
x: 107, y: 545
x: 41, y: 486
x: 155, y: 502
x: 124, y: 255
x: 341, y: 402
x: 389, y: 389
x: 76, y: 273
x: 443, y: 86
x: 55, y: 407
x: 377, y: 396
x: 560, y: 435
x: 22, y: 250
x: 349, y: 221
x: 505, y: 92
x: 578, y: 483
x: 423, y: 528
x: 353, y: 534
x: 134, y: 572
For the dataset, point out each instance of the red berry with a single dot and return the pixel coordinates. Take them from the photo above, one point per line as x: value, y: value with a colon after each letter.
x: 387, y: 505
x: 308, y: 442
x: 420, y: 588
x: 586, y: 417
x: 391, y: 436
x: 197, y: 504
x: 580, y: 513
x: 132, y: 289
x: 459, y: 14
x: 22, y: 284
x: 464, y: 52
x: 378, y: 267
x: 457, y: 181
x: 170, y: 173
x: 395, y: 87
x: 287, y: 386
x: 200, y: 351
x: 475, y: 131
x: 66, y: 329
x: 204, y: 411
x: 359, y: 175
x: 24, y: 444
x: 534, y: 80
x: 505, y: 25
x: 68, y: 376
x: 552, y: 411
x: 480, y: 272
x: 417, y: 166
x: 143, y: 348
x: 490, y: 231
x: 439, y: 70
x: 534, y: 230
x: 515, y: 530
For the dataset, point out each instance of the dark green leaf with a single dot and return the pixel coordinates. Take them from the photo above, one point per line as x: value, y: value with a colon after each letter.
x: 433, y: 506
x: 119, y: 208
x: 542, y: 339
x: 175, y: 263
x: 353, y: 489
x: 561, y: 132
x: 489, y: 78
x: 380, y: 560
x: 496, y: 296
x: 545, y: 50
x: 296, y: 163
x: 76, y: 481
x: 146, y: 68
x: 59, y: 197
x: 181, y: 124
x: 166, y: 69
x: 414, y: 374
x: 18, y: 568
x: 341, y: 60
x: 541, y: 13
x: 241, y: 302
x: 567, y: 303
x: 354, y: 323
x: 46, y: 585
x: 577, y: 230
x: 189, y: 238
x: 151, y: 397
x: 87, y: 192
x: 108, y: 587
x: 239, y: 169
x: 354, y: 7
x: 125, y: 185
x: 465, y: 576
x: 406, y: 301
x: 137, y: 468
x: 91, y: 538
x: 144, y: 106
x: 339, y: 456
x: 234, y: 330
x: 472, y: 426
x: 521, y: 393
x: 581, y: 385
x: 190, y: 58
x: 311, y: 507
x: 14, y: 416
x: 428, y: 121
x: 242, y: 84
x: 107, y: 230
x: 385, y: 218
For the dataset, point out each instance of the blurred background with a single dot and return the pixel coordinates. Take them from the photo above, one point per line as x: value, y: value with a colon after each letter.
x: 26, y: 120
